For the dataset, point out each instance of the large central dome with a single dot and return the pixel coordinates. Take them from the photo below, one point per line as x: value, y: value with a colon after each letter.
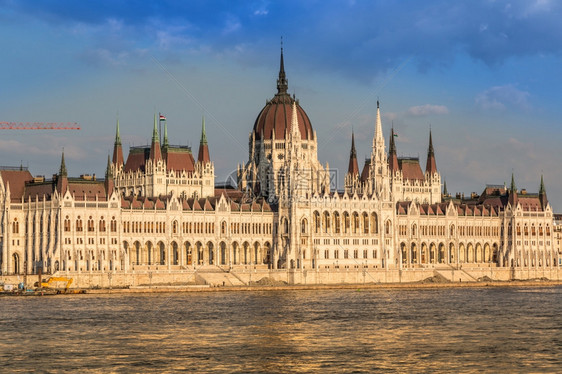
x: 275, y: 117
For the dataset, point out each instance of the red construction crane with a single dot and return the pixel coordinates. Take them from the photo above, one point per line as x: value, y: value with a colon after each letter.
x: 39, y: 126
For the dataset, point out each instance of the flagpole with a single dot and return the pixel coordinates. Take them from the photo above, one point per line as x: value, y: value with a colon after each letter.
x: 160, y: 127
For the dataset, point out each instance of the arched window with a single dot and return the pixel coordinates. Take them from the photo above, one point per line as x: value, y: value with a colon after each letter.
x: 304, y: 226
x: 365, y: 223
x: 175, y: 227
x: 102, y: 225
x: 15, y: 226
x: 79, y: 226
x: 113, y: 224
x: 414, y: 229
x: 452, y: 230
x: 374, y: 223
x: 316, y: 222
x: 326, y: 222
x: 387, y: 228
x: 90, y: 224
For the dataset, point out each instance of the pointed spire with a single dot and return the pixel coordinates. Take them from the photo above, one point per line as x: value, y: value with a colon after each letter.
x: 155, y: 151
x: 62, y: 170
x: 108, y: 173
x: 512, y: 187
x: 295, y: 130
x: 117, y: 148
x: 392, y: 157
x: 155, y: 131
x: 165, y: 144
x: 378, y: 127
x: 512, y: 192
x: 542, y: 194
x: 430, y: 167
x: 203, y: 156
x: 203, y: 132
x: 108, y: 183
x: 353, y: 168
x: 282, y: 83
x: 117, y: 134
x: 62, y: 180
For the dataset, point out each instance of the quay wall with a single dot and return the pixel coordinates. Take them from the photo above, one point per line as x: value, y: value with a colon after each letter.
x: 243, y: 277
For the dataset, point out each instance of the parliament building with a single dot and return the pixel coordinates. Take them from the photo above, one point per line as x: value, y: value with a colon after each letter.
x: 159, y: 209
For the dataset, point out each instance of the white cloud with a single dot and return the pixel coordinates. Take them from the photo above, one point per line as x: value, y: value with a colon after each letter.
x: 500, y: 97
x: 427, y: 109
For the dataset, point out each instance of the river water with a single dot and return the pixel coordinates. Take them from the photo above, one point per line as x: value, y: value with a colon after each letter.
x: 405, y: 330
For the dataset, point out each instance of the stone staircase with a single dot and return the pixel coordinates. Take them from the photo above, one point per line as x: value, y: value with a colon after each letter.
x: 455, y: 275
x: 215, y: 276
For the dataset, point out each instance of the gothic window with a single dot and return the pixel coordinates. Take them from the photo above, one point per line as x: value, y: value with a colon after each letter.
x: 337, y: 223
x: 326, y: 222
x: 346, y: 223
x: 316, y: 222
x: 414, y: 229
x: 79, y: 226
x: 304, y: 226
x: 15, y: 226
x: 102, y: 225
x: 365, y: 223
x: 387, y: 228
x: 90, y: 224
x: 374, y: 223
x: 113, y: 224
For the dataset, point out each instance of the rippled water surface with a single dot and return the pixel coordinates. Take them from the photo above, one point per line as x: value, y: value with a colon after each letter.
x: 453, y: 329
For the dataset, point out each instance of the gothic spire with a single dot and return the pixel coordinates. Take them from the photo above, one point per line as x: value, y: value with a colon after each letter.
x: 165, y: 144
x: 203, y: 156
x: 117, y: 134
x: 512, y: 192
x: 155, y: 131
x: 203, y: 132
x: 392, y: 157
x: 512, y: 187
x: 117, y: 148
x: 155, y: 151
x: 62, y: 170
x: 282, y: 83
x: 430, y: 167
x: 108, y: 173
x: 353, y: 168
x: 542, y: 194
x: 378, y: 138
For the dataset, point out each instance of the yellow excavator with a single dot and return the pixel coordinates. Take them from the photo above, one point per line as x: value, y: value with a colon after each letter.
x: 50, y: 284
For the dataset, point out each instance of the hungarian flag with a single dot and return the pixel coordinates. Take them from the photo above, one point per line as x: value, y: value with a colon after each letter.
x: 162, y: 117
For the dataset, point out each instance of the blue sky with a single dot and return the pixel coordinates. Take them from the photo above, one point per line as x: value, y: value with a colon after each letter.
x: 485, y: 75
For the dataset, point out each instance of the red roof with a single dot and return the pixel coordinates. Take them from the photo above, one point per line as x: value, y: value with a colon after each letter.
x: 411, y: 169
x: 17, y: 179
x: 276, y: 117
